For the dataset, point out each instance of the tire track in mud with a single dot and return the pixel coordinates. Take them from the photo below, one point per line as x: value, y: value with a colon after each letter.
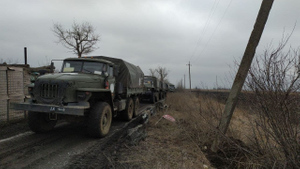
x: 23, y: 151
x: 56, y: 149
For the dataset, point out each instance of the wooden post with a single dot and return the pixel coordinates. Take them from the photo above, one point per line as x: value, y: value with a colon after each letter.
x: 241, y: 75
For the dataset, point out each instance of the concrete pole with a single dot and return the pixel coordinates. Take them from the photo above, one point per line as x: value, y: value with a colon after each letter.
x: 184, y: 81
x: 241, y: 75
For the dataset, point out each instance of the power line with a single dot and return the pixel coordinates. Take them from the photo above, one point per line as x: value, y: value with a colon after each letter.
x: 206, y: 44
x: 211, y: 13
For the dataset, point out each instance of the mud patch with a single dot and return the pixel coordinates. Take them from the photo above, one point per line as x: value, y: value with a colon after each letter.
x: 104, y: 154
x: 13, y: 129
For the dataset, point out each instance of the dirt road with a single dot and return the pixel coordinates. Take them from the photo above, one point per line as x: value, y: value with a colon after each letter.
x: 67, y: 146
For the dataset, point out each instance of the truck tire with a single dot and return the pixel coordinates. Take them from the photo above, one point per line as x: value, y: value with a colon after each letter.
x: 128, y: 112
x: 40, y: 122
x: 99, y: 120
x: 152, y: 98
x: 163, y: 96
x: 136, y: 106
x: 160, y: 96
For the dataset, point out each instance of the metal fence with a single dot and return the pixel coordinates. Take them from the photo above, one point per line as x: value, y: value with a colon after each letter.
x: 13, y: 82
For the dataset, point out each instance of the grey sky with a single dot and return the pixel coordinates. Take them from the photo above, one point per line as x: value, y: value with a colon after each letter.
x: 210, y: 34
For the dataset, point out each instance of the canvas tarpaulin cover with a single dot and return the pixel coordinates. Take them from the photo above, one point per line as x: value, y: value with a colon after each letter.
x: 130, y: 76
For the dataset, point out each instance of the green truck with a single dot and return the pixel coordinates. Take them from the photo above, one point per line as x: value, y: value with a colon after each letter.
x: 171, y: 87
x: 155, y: 89
x: 152, y: 89
x: 95, y: 89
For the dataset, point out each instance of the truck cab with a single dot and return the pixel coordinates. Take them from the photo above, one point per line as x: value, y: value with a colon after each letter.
x: 152, y: 89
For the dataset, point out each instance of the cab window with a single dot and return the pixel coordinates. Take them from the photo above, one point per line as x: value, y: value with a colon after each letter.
x: 110, y: 71
x: 92, y: 67
x: 72, y: 66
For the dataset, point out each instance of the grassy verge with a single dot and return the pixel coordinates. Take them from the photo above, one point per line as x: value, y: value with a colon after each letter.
x: 186, y: 142
x: 169, y: 144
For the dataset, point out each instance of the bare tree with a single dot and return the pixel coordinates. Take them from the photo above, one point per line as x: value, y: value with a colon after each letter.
x: 152, y: 72
x: 8, y: 61
x: 80, y: 39
x: 162, y: 72
x: 180, y: 85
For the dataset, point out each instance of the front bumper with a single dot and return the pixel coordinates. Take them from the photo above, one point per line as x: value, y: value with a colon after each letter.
x: 71, y: 109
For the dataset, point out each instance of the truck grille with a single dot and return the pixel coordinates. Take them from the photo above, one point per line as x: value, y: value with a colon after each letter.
x: 49, y: 90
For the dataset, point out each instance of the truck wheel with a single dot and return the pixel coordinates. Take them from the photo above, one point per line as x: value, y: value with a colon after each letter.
x: 163, y: 96
x: 40, y: 122
x: 152, y: 99
x: 136, y: 106
x: 99, y: 120
x: 128, y: 112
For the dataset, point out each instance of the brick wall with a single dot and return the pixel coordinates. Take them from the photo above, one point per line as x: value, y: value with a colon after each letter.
x: 13, y: 87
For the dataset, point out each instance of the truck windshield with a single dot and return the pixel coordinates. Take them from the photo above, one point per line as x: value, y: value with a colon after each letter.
x: 147, y: 82
x: 85, y: 67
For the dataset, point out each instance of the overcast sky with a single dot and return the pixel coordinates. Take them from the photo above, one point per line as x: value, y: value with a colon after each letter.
x: 210, y: 34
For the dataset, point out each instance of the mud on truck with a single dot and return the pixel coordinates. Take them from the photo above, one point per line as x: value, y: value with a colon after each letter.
x: 93, y: 88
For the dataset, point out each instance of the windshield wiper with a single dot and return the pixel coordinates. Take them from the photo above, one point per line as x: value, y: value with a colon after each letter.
x: 87, y: 70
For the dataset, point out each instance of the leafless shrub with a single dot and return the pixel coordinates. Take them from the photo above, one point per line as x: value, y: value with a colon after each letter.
x: 8, y: 61
x: 200, y: 116
x: 274, y: 78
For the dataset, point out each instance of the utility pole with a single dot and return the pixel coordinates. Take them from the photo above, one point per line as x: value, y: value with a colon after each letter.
x: 217, y: 86
x: 181, y: 83
x: 190, y: 74
x: 241, y: 75
x: 184, y: 81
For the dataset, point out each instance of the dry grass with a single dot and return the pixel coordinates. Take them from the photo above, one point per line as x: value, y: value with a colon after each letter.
x: 169, y: 145
x: 183, y: 144
x: 186, y: 143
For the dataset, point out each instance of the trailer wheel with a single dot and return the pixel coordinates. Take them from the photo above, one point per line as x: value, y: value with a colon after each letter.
x: 136, y: 106
x: 99, y: 120
x: 128, y: 112
x: 40, y: 122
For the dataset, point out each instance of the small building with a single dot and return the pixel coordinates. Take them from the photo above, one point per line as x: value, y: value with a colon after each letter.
x: 14, y: 80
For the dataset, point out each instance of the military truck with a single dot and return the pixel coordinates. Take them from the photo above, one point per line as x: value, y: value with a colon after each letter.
x: 152, y: 89
x: 93, y: 88
x: 171, y: 88
x: 164, y: 90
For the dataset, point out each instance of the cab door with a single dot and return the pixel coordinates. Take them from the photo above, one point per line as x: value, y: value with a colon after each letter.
x: 111, y: 80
